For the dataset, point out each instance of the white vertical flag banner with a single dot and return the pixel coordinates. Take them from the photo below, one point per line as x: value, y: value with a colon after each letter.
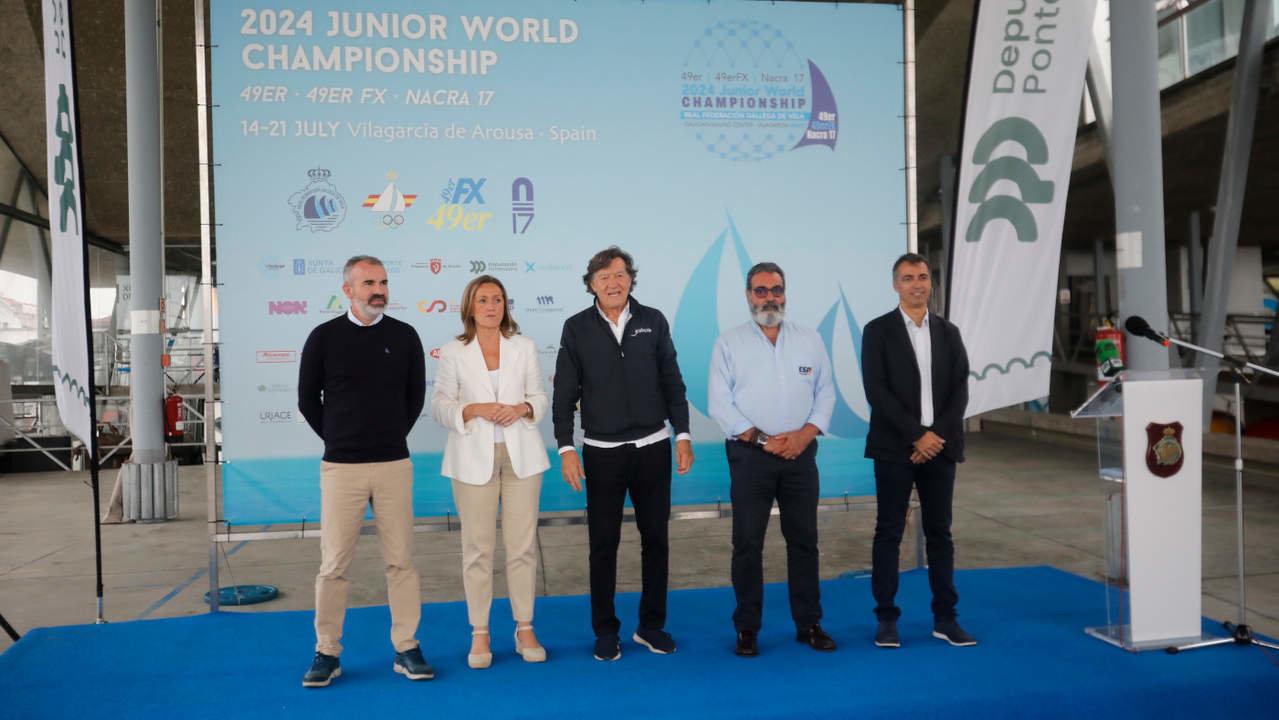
x: 1025, y: 86
x: 66, y: 226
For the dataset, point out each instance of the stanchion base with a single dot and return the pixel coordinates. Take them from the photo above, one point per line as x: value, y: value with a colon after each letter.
x: 1121, y: 637
x: 1239, y: 635
x: 245, y: 594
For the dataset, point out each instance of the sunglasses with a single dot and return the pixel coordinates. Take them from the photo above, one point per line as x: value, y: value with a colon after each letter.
x: 762, y: 292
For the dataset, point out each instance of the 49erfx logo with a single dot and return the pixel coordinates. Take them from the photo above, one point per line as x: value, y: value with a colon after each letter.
x: 459, y: 196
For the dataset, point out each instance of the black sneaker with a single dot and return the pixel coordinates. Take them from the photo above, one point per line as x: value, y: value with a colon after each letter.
x: 412, y: 665
x: 323, y: 669
x: 886, y: 636
x: 950, y: 631
x: 608, y: 648
x: 655, y: 640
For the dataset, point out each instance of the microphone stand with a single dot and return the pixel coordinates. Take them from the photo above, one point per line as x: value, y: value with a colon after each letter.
x: 1240, y: 633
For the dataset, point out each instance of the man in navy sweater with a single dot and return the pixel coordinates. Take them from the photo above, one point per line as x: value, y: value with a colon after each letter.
x: 616, y: 358
x: 361, y: 386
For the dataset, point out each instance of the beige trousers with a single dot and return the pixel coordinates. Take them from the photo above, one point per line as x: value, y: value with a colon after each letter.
x: 477, y: 509
x: 346, y: 490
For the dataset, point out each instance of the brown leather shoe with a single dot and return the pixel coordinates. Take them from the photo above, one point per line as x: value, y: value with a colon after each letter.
x: 747, y: 644
x: 816, y: 638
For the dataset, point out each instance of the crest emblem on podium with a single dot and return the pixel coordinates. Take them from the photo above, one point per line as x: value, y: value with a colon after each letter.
x: 1164, y: 454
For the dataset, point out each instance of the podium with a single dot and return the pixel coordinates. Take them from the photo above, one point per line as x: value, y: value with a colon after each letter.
x: 1150, y: 464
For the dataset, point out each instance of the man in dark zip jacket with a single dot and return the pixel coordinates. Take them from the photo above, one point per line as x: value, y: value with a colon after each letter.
x: 616, y: 358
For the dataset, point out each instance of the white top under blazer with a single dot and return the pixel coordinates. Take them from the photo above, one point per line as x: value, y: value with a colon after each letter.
x: 463, y: 378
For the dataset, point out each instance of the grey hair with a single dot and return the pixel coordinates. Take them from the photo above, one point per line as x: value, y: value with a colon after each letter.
x: 346, y: 269
x: 764, y: 267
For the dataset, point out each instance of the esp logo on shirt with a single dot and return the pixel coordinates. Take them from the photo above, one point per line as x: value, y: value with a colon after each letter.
x: 805, y: 370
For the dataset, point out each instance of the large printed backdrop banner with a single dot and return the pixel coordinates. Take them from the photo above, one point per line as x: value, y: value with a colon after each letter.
x: 518, y: 138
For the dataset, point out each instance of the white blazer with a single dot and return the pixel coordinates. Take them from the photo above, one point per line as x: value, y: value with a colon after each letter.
x: 461, y: 379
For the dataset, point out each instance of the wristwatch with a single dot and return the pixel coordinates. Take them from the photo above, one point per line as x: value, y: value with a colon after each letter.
x: 759, y: 438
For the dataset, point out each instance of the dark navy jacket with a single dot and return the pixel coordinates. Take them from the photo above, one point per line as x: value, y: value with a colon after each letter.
x: 626, y: 391
x: 890, y: 376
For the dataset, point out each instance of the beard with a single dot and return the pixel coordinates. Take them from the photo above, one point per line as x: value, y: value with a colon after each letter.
x: 769, y: 314
x: 368, y: 309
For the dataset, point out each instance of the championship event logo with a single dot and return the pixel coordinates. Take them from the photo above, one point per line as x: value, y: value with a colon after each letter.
x: 746, y: 94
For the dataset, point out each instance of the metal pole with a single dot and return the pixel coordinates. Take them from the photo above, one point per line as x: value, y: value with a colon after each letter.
x: 908, y: 55
x: 1196, y: 269
x: 949, y: 179
x: 211, y: 466
x: 1102, y: 103
x: 91, y: 381
x: 1230, y: 189
x: 1101, y: 295
x: 1138, y: 176
x: 142, y: 99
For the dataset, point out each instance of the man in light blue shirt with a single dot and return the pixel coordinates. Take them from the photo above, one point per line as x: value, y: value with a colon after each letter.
x: 771, y: 391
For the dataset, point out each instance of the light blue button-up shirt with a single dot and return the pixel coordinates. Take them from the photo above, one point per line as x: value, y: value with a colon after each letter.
x: 776, y: 388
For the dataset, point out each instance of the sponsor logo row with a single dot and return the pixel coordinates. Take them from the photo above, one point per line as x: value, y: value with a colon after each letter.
x: 278, y: 267
x: 336, y: 305
x: 320, y: 206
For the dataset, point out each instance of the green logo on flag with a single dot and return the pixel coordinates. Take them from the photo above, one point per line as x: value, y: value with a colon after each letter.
x: 1012, y: 168
x: 64, y: 170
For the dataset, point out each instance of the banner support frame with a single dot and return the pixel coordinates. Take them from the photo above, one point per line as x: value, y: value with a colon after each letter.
x: 908, y: 69
x: 212, y: 468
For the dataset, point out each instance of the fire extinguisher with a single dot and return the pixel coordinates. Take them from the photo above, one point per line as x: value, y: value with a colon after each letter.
x: 1110, y: 353
x: 173, y: 418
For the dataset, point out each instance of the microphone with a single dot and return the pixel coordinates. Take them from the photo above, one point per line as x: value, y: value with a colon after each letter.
x: 1137, y: 325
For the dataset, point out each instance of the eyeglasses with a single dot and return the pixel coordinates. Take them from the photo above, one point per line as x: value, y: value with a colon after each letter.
x: 762, y: 292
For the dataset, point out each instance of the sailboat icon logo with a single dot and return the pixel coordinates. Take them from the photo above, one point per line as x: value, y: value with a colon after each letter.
x: 697, y: 325
x: 389, y: 204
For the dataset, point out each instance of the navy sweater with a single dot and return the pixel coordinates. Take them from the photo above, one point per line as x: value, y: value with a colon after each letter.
x: 627, y: 391
x: 361, y: 388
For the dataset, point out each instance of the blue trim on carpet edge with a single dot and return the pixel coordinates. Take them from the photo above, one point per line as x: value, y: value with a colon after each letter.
x: 1034, y: 660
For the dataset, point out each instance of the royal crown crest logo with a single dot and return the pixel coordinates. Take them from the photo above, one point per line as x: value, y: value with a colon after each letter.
x: 1164, y: 453
x: 318, y: 206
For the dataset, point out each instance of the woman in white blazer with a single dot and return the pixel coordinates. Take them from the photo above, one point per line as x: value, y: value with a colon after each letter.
x: 489, y: 394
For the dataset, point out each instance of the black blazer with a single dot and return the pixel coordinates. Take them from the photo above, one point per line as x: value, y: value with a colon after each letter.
x: 891, y: 378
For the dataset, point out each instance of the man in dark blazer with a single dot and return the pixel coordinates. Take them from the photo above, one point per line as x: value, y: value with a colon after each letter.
x: 915, y: 371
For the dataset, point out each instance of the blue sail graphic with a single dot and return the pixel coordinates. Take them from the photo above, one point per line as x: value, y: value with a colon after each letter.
x: 697, y: 317
x: 697, y: 326
x: 844, y: 422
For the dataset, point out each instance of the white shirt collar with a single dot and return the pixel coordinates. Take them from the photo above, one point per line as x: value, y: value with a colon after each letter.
x: 911, y: 323
x: 350, y: 315
x: 621, y: 318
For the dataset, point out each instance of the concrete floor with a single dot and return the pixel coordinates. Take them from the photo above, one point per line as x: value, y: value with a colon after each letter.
x: 1018, y: 501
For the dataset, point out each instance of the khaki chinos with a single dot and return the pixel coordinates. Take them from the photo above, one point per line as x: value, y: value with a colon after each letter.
x: 346, y: 491
x: 477, y: 507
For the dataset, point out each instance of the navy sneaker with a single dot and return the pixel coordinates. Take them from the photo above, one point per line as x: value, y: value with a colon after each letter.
x: 950, y: 631
x: 412, y: 665
x: 607, y: 648
x: 323, y: 669
x: 655, y: 640
x: 886, y: 636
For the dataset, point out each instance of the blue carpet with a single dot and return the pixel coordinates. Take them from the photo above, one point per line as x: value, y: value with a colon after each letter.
x: 1034, y: 660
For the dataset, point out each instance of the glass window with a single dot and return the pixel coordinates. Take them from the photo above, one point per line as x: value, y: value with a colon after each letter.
x: 1170, y: 61
x: 25, y: 286
x: 1206, y: 37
